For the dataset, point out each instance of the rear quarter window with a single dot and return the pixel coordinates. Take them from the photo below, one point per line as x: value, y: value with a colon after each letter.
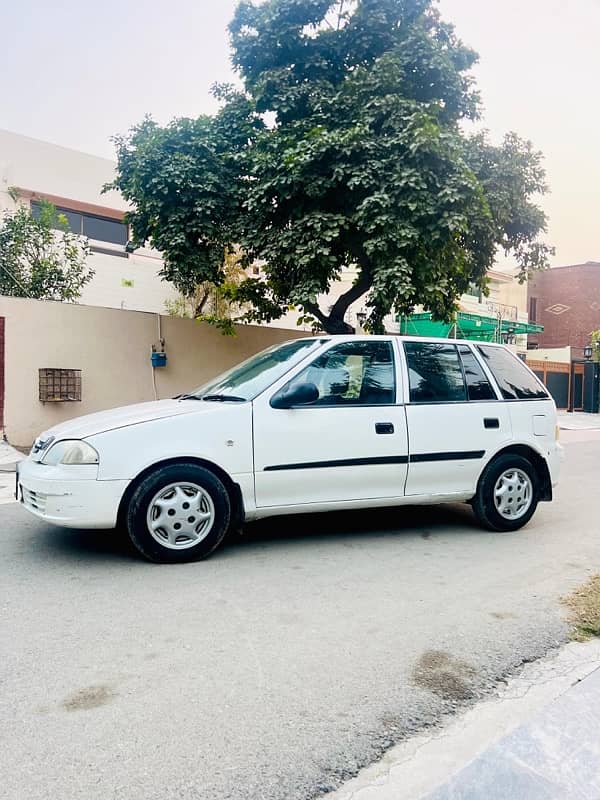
x: 514, y: 379
x: 478, y: 386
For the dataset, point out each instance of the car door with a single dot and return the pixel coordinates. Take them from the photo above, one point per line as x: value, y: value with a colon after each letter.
x: 349, y: 444
x: 454, y: 415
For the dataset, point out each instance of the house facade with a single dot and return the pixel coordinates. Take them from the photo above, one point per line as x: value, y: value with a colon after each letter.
x: 501, y: 315
x: 566, y: 301
x: 498, y: 316
x: 73, y: 182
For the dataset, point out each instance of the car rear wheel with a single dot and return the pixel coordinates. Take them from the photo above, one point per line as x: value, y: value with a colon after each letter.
x: 508, y: 493
x: 178, y: 513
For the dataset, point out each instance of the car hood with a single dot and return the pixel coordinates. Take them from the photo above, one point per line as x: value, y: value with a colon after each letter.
x: 102, y: 421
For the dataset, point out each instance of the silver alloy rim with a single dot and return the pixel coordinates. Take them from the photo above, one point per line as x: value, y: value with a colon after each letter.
x: 180, y: 515
x: 513, y: 493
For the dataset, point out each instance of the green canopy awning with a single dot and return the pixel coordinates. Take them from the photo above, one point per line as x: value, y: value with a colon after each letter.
x: 468, y: 326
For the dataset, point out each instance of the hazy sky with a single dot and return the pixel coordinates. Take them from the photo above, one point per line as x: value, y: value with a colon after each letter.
x: 75, y: 73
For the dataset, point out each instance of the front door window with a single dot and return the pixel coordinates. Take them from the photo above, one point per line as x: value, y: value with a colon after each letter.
x: 351, y: 374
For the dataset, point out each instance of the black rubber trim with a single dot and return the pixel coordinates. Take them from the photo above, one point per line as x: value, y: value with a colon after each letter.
x: 459, y: 455
x: 365, y: 462
x: 342, y: 462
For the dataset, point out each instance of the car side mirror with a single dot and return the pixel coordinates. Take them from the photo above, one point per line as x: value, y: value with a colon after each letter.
x: 298, y: 395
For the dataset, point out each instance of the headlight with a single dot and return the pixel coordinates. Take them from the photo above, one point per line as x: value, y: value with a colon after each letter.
x: 71, y: 452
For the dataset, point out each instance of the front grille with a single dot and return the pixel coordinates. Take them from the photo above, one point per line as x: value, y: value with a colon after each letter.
x: 36, y: 501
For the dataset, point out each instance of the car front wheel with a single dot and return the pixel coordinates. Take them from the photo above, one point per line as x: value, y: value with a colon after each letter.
x: 178, y: 513
x: 508, y: 493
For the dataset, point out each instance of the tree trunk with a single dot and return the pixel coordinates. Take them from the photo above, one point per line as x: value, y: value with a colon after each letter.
x: 337, y: 326
x: 334, y: 323
x: 201, y: 303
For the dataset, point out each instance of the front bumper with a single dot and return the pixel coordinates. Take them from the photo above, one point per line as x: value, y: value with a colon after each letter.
x: 71, y: 496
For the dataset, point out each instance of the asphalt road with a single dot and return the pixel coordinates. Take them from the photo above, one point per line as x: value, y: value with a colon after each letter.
x: 278, y: 667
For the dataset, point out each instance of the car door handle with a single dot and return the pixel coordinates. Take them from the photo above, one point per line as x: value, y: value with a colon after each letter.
x: 384, y: 427
x: 491, y: 422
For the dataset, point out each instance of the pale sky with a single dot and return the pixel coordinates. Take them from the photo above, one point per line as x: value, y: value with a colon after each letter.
x: 75, y: 73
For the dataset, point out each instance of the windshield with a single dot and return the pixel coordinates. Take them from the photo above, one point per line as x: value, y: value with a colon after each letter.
x: 248, y: 379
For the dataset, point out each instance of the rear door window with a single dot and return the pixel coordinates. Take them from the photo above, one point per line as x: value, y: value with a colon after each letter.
x: 435, y: 373
x: 514, y: 379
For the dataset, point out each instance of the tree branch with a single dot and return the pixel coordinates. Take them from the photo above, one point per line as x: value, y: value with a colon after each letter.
x: 344, y: 301
x: 314, y: 309
x: 200, y: 305
x: 334, y: 321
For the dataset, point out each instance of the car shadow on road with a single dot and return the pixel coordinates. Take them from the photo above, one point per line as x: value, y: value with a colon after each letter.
x: 418, y: 521
x: 93, y: 545
x: 364, y: 525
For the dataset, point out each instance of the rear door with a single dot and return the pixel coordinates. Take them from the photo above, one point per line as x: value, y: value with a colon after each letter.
x: 455, y: 418
x: 350, y: 444
x: 532, y: 410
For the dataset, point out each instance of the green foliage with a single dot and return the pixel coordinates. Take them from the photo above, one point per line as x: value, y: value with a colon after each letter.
x: 183, y: 182
x: 595, y: 340
x: 210, y: 303
x: 39, y: 257
x: 346, y: 147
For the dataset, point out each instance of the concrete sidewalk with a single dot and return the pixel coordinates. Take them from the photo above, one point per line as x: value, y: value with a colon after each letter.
x: 538, y: 739
x: 554, y: 756
x: 578, y: 421
x: 9, y: 457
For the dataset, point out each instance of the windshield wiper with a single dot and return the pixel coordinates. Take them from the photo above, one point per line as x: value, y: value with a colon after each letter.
x: 187, y: 397
x: 223, y: 398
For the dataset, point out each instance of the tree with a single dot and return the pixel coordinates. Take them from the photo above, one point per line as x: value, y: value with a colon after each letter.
x: 210, y: 303
x: 39, y: 257
x: 347, y: 146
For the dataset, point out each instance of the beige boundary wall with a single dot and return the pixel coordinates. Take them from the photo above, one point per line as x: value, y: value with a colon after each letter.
x: 556, y: 354
x: 112, y: 348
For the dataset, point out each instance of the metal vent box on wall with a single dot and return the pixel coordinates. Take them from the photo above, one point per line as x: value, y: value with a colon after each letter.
x: 60, y: 385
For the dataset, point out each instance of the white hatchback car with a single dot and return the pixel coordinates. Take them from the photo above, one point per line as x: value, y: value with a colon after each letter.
x: 315, y: 424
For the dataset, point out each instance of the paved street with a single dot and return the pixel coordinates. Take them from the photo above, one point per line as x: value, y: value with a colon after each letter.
x: 282, y: 664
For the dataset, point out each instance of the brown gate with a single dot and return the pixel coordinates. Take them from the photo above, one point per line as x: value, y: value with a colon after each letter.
x: 556, y: 377
x: 1, y: 373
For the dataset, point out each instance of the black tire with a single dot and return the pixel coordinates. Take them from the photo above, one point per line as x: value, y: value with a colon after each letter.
x: 483, y: 502
x: 137, y: 510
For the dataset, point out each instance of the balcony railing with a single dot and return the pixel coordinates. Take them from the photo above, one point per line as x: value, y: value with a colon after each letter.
x: 502, y: 311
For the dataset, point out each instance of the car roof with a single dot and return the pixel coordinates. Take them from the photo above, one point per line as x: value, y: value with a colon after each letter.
x: 401, y: 337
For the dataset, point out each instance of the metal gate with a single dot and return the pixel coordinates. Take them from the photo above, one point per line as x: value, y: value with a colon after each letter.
x: 591, y: 387
x: 574, y: 386
x: 556, y: 376
x: 577, y: 386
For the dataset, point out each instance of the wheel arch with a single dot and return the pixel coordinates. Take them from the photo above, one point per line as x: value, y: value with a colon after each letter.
x: 233, y: 489
x: 536, y: 459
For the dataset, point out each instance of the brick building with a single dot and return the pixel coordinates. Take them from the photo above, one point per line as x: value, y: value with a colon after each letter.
x: 566, y: 301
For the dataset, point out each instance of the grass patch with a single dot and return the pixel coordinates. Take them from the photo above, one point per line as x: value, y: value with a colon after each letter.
x: 584, y: 610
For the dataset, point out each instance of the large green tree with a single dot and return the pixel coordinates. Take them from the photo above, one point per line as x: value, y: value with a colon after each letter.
x: 348, y: 145
x: 39, y: 257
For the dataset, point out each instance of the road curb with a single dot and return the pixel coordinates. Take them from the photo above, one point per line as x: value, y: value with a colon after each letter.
x: 440, y: 765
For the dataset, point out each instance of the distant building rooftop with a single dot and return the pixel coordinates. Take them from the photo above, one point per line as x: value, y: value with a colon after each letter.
x: 574, y: 266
